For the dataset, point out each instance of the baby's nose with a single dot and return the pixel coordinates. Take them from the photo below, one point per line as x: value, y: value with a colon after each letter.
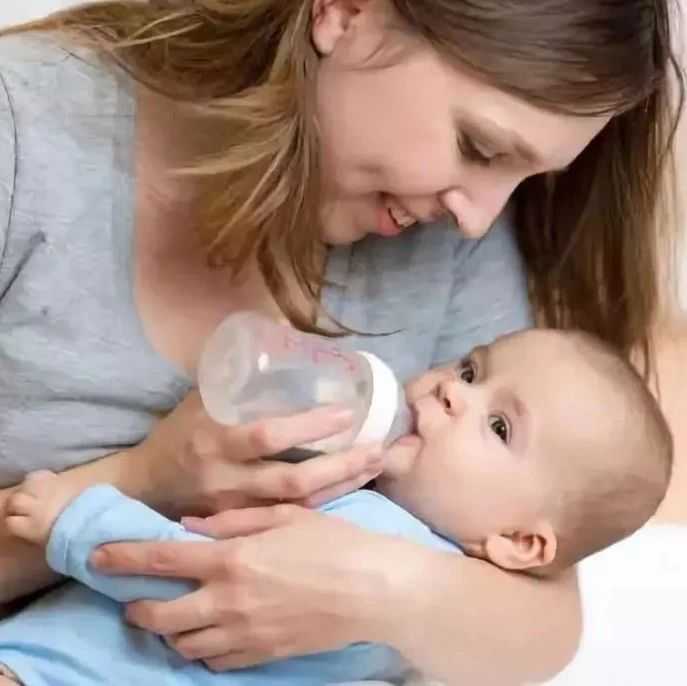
x: 452, y: 396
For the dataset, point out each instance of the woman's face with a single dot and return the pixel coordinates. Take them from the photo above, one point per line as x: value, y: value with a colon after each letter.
x: 405, y: 136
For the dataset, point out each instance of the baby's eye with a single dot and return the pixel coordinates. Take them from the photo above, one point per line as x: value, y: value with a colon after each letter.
x: 467, y: 371
x: 500, y: 427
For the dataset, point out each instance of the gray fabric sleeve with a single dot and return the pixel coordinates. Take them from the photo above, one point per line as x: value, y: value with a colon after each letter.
x: 489, y: 295
x: 7, y: 163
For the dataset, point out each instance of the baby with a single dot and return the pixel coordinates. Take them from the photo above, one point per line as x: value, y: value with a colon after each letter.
x: 535, y: 451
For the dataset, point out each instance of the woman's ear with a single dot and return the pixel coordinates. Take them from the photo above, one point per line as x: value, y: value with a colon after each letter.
x: 330, y: 21
x: 520, y: 550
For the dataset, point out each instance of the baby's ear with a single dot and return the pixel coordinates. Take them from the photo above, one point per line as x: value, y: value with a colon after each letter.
x: 521, y: 550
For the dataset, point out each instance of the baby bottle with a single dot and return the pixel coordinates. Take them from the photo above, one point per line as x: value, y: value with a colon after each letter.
x: 253, y: 367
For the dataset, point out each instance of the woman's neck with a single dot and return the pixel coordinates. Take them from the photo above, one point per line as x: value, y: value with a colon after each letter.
x: 179, y: 297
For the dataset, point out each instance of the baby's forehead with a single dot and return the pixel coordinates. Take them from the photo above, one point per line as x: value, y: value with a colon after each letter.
x: 533, y: 339
x: 540, y: 351
x: 554, y: 375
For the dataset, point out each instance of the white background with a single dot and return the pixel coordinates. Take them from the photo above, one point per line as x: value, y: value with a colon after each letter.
x: 13, y: 11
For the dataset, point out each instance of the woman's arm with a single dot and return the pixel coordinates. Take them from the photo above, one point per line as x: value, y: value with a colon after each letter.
x: 476, y: 624
x: 190, y: 464
x: 288, y: 581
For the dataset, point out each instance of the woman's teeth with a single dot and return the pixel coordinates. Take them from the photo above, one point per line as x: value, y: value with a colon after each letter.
x: 401, y: 217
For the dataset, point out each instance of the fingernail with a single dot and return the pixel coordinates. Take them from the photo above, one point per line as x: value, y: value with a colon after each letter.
x: 192, y: 523
x: 376, y: 457
x: 99, y: 559
x: 409, y: 440
x: 342, y: 416
x: 372, y: 474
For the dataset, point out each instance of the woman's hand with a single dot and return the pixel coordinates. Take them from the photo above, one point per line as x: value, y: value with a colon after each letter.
x: 304, y: 583
x: 292, y: 582
x: 193, y: 464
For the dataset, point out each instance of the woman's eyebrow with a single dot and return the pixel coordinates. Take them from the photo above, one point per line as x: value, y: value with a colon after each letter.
x: 502, y: 139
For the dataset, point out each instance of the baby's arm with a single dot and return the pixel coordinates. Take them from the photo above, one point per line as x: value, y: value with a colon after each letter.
x: 72, y: 525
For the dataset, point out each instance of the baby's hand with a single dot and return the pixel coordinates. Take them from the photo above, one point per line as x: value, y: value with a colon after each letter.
x: 32, y: 509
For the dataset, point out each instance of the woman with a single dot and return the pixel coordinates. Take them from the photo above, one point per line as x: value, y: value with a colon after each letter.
x: 303, y: 129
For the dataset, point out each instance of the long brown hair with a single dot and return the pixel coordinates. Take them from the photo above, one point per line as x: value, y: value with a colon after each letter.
x: 597, y: 240
x: 592, y: 237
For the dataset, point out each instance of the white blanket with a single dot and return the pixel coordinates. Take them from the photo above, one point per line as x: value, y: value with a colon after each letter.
x: 634, y: 598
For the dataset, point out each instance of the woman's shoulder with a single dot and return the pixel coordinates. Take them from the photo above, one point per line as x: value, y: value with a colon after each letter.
x: 40, y: 71
x: 31, y: 61
x: 28, y: 50
x: 22, y: 56
x: 59, y: 108
x: 31, y: 47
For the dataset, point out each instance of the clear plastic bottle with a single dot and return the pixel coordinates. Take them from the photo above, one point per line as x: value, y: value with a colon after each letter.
x: 252, y: 368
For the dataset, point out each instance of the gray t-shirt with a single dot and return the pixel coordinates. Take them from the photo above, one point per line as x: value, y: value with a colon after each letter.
x: 78, y: 379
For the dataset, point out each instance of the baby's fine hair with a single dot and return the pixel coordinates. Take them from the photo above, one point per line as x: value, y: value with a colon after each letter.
x: 606, y: 497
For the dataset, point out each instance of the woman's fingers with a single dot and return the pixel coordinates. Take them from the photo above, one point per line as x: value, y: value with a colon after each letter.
x: 283, y: 481
x: 179, y: 559
x: 192, y: 460
x: 203, y: 644
x: 252, y: 520
x: 191, y: 612
x: 326, y: 495
x: 239, y: 659
x: 277, y: 434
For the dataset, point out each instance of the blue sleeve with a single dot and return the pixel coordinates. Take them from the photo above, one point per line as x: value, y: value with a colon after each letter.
x: 103, y: 515
x: 373, y: 511
x: 489, y: 296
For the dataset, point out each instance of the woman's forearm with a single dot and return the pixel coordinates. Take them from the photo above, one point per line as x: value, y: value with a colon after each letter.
x: 469, y: 622
x: 127, y: 470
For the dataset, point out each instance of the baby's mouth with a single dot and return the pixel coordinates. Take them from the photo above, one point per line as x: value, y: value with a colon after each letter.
x: 414, y: 419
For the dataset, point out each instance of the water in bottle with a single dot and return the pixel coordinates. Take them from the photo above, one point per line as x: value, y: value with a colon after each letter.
x: 253, y: 368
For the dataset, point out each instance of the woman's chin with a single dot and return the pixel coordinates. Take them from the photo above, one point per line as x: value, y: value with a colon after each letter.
x: 336, y: 237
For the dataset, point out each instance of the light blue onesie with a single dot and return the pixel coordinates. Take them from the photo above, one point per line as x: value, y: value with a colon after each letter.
x: 75, y: 636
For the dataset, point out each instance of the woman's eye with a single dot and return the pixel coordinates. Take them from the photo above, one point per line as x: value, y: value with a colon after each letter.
x: 500, y: 427
x: 467, y: 371
x: 473, y: 153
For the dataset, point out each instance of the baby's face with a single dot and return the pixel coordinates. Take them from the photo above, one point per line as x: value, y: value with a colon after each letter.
x: 487, y: 426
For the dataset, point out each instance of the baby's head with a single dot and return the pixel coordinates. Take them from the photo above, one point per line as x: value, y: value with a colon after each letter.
x: 537, y: 450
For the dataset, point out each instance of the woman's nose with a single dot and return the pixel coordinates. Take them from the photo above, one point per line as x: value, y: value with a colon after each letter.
x: 475, y: 211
